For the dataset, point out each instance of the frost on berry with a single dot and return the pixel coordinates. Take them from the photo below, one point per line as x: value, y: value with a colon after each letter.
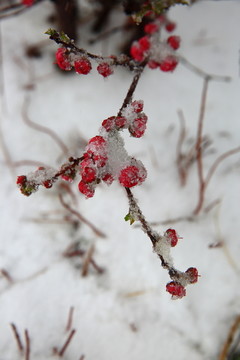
x: 168, y: 64
x: 172, y: 236
x: 192, y: 274
x: 104, y: 69
x: 132, y: 175
x: 151, y: 28
x: 139, y: 49
x: 176, y: 289
x: 62, y: 59
x: 138, y: 126
x: 86, y: 189
x: 82, y: 66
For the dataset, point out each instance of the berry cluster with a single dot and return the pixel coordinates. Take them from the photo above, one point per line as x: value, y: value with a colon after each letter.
x: 82, y: 65
x: 42, y: 176
x: 177, y: 288
x: 27, y: 2
x: 105, y: 158
x: 158, y: 54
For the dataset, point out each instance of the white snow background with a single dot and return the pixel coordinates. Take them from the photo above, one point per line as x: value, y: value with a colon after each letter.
x: 124, y: 313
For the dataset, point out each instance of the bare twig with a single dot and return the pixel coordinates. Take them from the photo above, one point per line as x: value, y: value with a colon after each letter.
x: 87, y: 260
x: 81, y: 218
x: 70, y: 318
x: 42, y: 128
x: 198, y: 146
x: 17, y: 337
x: 27, y: 346
x: 66, y: 344
x: 6, y: 274
x: 182, y: 170
x: 224, y: 353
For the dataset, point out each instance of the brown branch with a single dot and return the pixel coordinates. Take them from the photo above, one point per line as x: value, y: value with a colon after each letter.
x: 87, y: 260
x: 70, y: 318
x: 198, y: 146
x: 182, y: 170
x: 81, y: 218
x: 42, y: 128
x: 17, y: 337
x: 6, y: 274
x: 224, y: 353
x: 27, y: 347
x: 66, y: 344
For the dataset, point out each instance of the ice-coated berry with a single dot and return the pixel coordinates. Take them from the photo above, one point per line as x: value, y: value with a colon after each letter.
x: 192, y: 274
x: 82, y: 66
x: 138, y: 126
x: 62, y: 60
x: 168, y: 64
x: 132, y: 175
x: 98, y: 141
x: 175, y: 289
x: 86, y: 189
x: 172, y: 235
x: 174, y: 42
x: 21, y: 180
x: 137, y: 106
x: 108, y: 178
x: 104, y: 69
x: 88, y: 174
x: 109, y: 123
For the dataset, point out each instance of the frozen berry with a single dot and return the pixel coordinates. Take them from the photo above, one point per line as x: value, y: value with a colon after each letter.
x: 152, y: 64
x: 104, y: 69
x: 174, y: 42
x: 172, y: 235
x: 86, y: 189
x: 136, y: 52
x: 88, y: 174
x: 168, y: 64
x: 144, y: 43
x: 97, y: 141
x: 108, y: 178
x: 120, y: 122
x: 137, y: 106
x: 62, y: 60
x: 176, y: 289
x: 192, y: 274
x: 47, y: 184
x: 138, y: 126
x: 82, y: 66
x: 109, y: 123
x: 132, y: 175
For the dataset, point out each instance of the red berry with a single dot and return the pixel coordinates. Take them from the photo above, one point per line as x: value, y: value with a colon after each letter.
x: 21, y: 180
x: 132, y: 175
x: 120, y: 122
x: 170, y: 26
x: 62, y: 60
x: 172, y: 235
x: 136, y: 52
x: 137, y: 106
x: 144, y: 43
x: 193, y: 275
x: 82, y: 66
x: 138, y: 127
x: 88, y: 174
x: 27, y: 2
x: 86, y: 189
x: 47, y: 184
x: 151, y: 28
x: 108, y: 178
x: 104, y: 69
x: 98, y: 141
x: 174, y: 42
x: 109, y: 123
x: 176, y: 289
x: 168, y: 64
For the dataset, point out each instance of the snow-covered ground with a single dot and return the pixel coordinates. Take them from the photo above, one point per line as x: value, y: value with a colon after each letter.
x: 124, y: 313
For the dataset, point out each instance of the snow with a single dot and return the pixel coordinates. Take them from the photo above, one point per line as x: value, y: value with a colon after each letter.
x: 124, y: 313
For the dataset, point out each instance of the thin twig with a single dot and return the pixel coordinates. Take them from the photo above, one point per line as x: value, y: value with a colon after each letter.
x: 81, y: 218
x: 42, y: 128
x: 182, y: 171
x: 27, y: 347
x: 224, y: 353
x: 17, y: 337
x: 202, y: 73
x: 70, y: 318
x: 198, y: 146
x: 87, y: 260
x: 67, y: 342
x: 217, y: 162
x: 6, y: 274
